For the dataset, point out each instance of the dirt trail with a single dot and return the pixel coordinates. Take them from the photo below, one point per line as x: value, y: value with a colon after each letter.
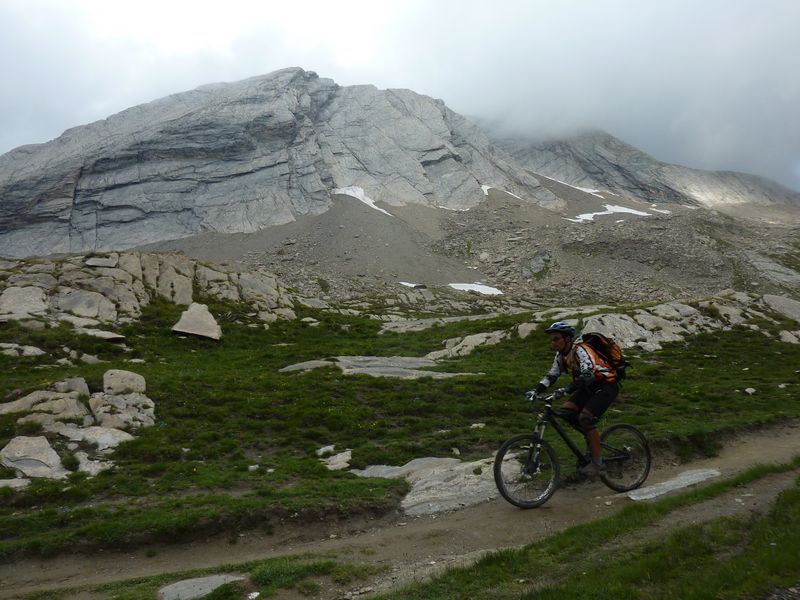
x: 414, y: 548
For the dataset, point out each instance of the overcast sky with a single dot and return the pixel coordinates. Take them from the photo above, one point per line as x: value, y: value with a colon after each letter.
x: 711, y: 84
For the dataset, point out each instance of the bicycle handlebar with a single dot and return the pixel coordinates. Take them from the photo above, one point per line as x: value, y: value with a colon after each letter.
x: 532, y: 396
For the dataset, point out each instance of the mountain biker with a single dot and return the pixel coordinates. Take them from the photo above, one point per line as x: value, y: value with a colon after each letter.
x: 594, y: 387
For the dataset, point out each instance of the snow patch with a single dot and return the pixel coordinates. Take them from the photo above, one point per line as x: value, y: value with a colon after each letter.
x: 660, y: 210
x: 476, y: 287
x: 411, y: 285
x: 358, y: 193
x: 609, y: 209
x: 486, y: 189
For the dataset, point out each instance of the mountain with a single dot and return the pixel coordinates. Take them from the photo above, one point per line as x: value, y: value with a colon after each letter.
x: 240, y: 157
x: 598, y: 160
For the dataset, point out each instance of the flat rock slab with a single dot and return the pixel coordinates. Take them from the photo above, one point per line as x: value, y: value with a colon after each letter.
x: 402, y: 367
x: 683, y: 480
x: 196, y: 588
x: 440, y: 484
x: 100, y: 333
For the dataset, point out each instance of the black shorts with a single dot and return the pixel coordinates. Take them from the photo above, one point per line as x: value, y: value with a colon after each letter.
x: 596, y: 399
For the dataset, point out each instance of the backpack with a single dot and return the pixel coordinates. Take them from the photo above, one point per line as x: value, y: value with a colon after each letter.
x: 609, y: 350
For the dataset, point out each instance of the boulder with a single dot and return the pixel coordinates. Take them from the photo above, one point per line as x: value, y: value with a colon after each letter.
x: 125, y: 411
x: 780, y: 304
x: 86, y: 304
x: 33, y: 457
x: 74, y: 384
x: 197, y: 320
x: 29, y: 300
x: 117, y: 381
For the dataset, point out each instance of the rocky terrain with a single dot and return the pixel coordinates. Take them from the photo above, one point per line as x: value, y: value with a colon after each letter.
x: 348, y: 191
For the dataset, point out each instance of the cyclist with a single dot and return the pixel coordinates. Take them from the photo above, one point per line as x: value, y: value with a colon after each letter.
x: 594, y: 387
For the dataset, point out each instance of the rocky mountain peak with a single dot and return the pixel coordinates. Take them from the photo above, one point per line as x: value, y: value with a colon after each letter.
x: 239, y: 157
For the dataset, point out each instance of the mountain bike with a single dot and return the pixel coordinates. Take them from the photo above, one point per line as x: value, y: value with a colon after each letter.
x: 527, y: 469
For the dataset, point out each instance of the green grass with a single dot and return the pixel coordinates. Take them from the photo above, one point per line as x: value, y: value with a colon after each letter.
x: 294, y: 572
x: 223, y: 406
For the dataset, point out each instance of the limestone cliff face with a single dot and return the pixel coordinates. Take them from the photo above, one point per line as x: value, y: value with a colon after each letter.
x: 600, y: 161
x: 239, y: 157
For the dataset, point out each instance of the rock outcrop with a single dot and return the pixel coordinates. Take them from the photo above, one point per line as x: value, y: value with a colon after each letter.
x: 112, y: 289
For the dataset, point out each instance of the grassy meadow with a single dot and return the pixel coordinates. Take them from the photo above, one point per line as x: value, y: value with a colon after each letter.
x: 223, y: 406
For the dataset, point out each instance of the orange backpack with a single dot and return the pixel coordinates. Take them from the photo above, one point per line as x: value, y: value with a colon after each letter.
x: 608, y: 350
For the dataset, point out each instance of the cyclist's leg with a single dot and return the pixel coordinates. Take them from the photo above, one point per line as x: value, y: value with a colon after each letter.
x: 601, y: 398
x: 571, y: 409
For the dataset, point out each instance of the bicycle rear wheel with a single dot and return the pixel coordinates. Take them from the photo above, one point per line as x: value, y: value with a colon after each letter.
x: 626, y: 455
x: 526, y: 473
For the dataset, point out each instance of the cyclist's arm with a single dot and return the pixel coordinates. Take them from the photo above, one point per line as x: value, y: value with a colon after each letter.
x: 551, y: 377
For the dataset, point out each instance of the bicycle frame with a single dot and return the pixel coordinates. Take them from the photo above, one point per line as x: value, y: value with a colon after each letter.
x: 548, y: 417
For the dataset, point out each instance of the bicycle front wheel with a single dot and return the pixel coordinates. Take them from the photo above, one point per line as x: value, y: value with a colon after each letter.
x: 526, y: 473
x: 626, y: 455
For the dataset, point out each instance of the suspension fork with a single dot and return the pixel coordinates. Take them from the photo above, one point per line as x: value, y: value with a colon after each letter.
x: 538, y: 435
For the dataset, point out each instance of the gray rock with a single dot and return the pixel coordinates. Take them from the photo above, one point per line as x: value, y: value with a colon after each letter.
x: 463, y: 346
x: 786, y: 306
x: 197, y: 587
x: 103, y: 261
x: 402, y: 367
x: 33, y: 457
x: 92, y: 467
x: 15, y: 484
x: 103, y: 438
x: 197, y: 320
x: 26, y: 301
x: 622, y: 328
x: 59, y: 407
x: 84, y: 303
x: 123, y: 411
x: 117, y: 381
x: 25, y: 403
x: 73, y: 384
x: 17, y: 350
x: 100, y: 333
